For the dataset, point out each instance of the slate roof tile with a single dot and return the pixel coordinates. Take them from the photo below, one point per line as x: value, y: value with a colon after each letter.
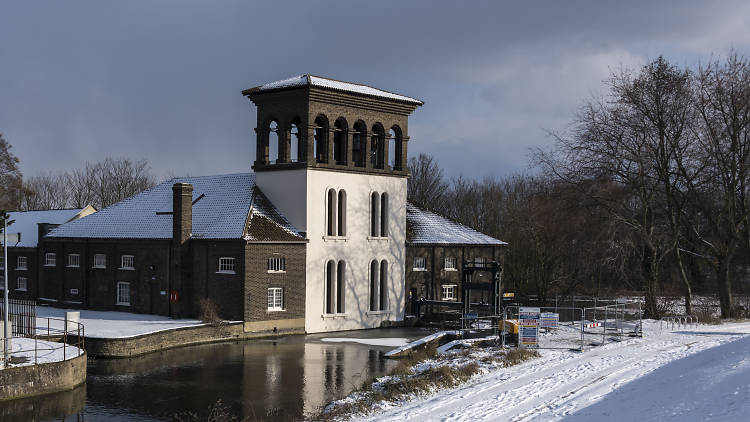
x: 427, y: 228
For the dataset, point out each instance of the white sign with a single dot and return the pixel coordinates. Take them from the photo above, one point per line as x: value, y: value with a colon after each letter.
x: 12, y: 238
x: 549, y: 320
x: 528, y: 327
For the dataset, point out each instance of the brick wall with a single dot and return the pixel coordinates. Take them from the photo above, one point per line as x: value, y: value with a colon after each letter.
x: 258, y: 280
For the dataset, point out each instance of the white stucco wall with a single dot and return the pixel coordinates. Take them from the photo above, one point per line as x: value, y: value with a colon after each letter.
x: 357, y: 248
x: 287, y: 190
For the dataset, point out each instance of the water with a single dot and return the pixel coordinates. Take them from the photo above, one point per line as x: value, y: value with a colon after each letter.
x: 279, y: 379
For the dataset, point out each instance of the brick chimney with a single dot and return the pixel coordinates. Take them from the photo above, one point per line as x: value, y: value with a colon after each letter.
x: 182, y: 212
x: 182, y: 227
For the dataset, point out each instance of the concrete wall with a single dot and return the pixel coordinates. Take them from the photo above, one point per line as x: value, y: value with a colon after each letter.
x: 147, y: 343
x: 26, y: 381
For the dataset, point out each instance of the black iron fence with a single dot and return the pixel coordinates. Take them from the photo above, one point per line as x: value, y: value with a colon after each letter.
x: 22, y: 315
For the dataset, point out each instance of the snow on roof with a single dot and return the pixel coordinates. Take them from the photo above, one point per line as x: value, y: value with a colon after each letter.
x: 221, y: 205
x: 427, y: 228
x: 26, y: 223
x: 320, y: 82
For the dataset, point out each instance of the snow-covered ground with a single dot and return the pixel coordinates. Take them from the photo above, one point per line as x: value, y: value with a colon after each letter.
x: 385, y: 341
x: 595, y: 385
x: 99, y: 324
x: 24, y: 352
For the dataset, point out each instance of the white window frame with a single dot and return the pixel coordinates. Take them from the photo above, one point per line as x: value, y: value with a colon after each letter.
x: 275, y: 299
x: 451, y: 263
x: 50, y: 259
x: 22, y: 263
x: 74, y: 260
x: 420, y: 260
x: 276, y: 264
x: 121, y: 285
x: 101, y: 256
x: 123, y: 262
x: 74, y: 292
x: 445, y: 288
x: 226, y: 265
x: 25, y: 284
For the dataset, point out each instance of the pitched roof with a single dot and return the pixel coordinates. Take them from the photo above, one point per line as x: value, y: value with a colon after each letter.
x: 332, y: 84
x: 222, y: 206
x: 427, y: 228
x: 26, y: 223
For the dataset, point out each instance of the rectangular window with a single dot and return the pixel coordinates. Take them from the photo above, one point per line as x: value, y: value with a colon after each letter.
x: 449, y: 292
x: 2, y: 262
x: 275, y: 299
x: 450, y: 263
x: 50, y: 259
x: 100, y: 260
x: 226, y: 265
x: 74, y: 292
x: 127, y: 262
x: 22, y: 263
x: 420, y: 264
x: 74, y: 260
x: 479, y: 260
x: 23, y: 283
x: 277, y: 264
x: 123, y: 293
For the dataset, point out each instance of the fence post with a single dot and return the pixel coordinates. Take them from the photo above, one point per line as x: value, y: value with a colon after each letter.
x: 583, y: 317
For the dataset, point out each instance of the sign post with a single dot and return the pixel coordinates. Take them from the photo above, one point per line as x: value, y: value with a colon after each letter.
x: 528, y: 327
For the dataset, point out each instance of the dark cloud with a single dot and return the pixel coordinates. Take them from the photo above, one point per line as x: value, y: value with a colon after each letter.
x: 80, y: 81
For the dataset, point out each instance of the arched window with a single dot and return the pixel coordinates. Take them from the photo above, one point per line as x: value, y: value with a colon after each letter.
x: 341, y: 213
x: 340, y: 283
x: 395, y: 149
x: 374, y: 285
x: 339, y: 141
x: 377, y: 146
x: 374, y: 214
x: 273, y: 142
x: 331, y: 212
x: 321, y: 139
x: 383, y: 287
x: 358, y: 143
x: 384, y: 215
x: 294, y: 144
x: 330, y: 286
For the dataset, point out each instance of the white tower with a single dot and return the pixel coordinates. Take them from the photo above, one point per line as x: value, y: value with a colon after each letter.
x: 331, y: 156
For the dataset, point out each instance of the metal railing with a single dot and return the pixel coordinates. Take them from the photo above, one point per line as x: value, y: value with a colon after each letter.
x: 49, y: 335
x: 23, y: 314
x: 678, y: 321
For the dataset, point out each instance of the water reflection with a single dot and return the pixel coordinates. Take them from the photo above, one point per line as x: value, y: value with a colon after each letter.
x: 286, y: 378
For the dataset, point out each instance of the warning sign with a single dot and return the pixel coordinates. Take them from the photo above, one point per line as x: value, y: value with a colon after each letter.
x: 528, y: 330
x: 549, y: 319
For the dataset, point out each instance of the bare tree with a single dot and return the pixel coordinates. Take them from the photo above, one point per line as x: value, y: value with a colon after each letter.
x: 426, y: 186
x: 46, y: 191
x: 719, y: 192
x: 11, y: 179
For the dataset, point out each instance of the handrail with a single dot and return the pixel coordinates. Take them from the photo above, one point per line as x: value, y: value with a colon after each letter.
x: 69, y: 327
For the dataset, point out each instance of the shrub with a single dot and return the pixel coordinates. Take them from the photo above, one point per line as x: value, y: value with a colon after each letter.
x: 208, y: 312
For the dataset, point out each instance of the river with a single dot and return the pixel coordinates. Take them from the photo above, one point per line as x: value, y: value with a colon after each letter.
x: 280, y: 379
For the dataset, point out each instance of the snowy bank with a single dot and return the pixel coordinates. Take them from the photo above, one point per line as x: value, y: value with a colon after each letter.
x: 25, y: 352
x: 101, y: 324
x: 562, y: 382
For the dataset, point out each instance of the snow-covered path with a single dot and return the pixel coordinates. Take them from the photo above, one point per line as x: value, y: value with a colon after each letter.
x: 562, y: 382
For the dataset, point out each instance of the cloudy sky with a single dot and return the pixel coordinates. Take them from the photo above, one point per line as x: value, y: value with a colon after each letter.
x: 161, y: 80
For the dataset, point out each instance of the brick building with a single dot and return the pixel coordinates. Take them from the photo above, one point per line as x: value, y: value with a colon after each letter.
x: 315, y: 238
x: 436, y: 248
x: 24, y: 256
